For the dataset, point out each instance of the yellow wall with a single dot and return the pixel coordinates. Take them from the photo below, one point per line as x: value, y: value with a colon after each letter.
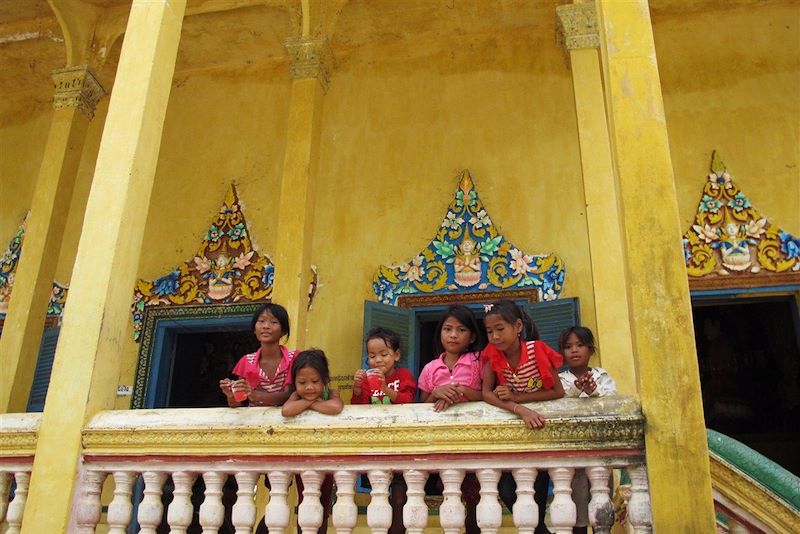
x: 24, y: 126
x: 400, y: 121
x: 24, y: 123
x: 222, y: 126
x: 731, y: 82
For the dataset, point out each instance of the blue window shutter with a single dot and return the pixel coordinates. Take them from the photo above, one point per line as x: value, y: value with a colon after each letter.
x: 44, y: 366
x: 553, y: 317
x: 401, y: 320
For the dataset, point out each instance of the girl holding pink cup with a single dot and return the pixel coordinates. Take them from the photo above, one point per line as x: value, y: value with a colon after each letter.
x: 264, y: 376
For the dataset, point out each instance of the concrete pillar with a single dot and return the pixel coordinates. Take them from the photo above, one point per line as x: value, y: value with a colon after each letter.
x: 76, y: 95
x: 86, y: 367
x: 309, y: 57
x: 658, y: 297
x: 577, y: 27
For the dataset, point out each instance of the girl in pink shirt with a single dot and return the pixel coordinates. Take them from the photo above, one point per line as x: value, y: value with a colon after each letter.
x: 265, y: 375
x: 455, y: 376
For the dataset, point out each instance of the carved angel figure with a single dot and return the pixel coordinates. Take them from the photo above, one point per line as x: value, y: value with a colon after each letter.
x: 467, y: 264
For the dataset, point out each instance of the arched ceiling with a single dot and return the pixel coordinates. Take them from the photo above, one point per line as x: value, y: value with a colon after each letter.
x: 233, y: 33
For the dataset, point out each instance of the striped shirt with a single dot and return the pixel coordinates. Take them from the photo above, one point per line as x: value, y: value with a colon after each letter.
x: 526, y: 377
x: 249, y: 368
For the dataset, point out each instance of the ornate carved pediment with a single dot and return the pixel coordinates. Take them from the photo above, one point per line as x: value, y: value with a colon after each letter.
x: 467, y: 255
x: 226, y: 269
x: 731, y: 244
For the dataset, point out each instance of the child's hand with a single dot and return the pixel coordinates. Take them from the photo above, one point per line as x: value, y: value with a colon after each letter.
x: 586, y: 383
x: 448, y: 393
x: 358, y: 378
x: 382, y: 378
x: 225, y: 386
x: 504, y: 393
x: 241, y: 385
x: 589, y: 384
x: 532, y: 418
x: 441, y: 405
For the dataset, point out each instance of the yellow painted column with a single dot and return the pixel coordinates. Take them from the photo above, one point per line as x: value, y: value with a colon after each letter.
x: 577, y: 28
x: 309, y: 57
x: 86, y: 367
x: 76, y: 95
x: 659, y: 304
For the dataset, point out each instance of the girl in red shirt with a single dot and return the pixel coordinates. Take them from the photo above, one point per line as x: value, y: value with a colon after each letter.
x: 519, y: 369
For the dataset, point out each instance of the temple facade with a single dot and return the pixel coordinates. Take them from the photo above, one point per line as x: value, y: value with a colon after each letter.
x: 167, y: 166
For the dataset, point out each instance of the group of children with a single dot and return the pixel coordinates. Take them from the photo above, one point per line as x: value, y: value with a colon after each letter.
x: 513, y: 369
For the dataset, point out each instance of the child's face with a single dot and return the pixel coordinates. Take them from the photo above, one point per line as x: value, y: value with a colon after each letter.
x: 308, y: 384
x: 502, y: 334
x: 455, y: 337
x: 381, y: 356
x: 576, y: 352
x: 268, y: 328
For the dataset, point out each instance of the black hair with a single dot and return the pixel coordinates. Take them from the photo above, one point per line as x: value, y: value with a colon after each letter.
x: 583, y: 334
x: 463, y: 315
x: 510, y: 313
x: 390, y: 337
x: 314, y: 358
x: 277, y: 311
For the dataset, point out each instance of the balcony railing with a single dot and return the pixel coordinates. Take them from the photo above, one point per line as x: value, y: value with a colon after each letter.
x: 182, y: 446
x: 17, y: 447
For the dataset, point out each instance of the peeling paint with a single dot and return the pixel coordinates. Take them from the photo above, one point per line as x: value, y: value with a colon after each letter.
x: 29, y: 36
x: 17, y: 37
x: 53, y: 37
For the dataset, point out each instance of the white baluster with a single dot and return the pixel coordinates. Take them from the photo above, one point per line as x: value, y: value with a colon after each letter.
x: 451, y: 512
x: 345, y: 511
x: 121, y: 507
x: 489, y: 511
x: 243, y: 515
x: 17, y: 506
x: 5, y: 483
x: 151, y: 509
x: 88, y: 509
x: 181, y: 511
x: 415, y: 512
x: 276, y: 513
x: 379, y: 511
x: 526, y: 511
x: 562, y: 510
x: 309, y: 512
x: 601, y: 509
x: 639, y: 506
x: 212, y: 511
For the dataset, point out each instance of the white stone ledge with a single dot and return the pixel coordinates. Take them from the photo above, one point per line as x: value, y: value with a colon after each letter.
x: 360, y: 415
x: 18, y: 433
x: 609, y: 423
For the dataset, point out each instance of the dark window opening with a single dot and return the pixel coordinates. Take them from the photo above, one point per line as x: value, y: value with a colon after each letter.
x: 427, y: 351
x: 200, y: 361
x: 749, y: 363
